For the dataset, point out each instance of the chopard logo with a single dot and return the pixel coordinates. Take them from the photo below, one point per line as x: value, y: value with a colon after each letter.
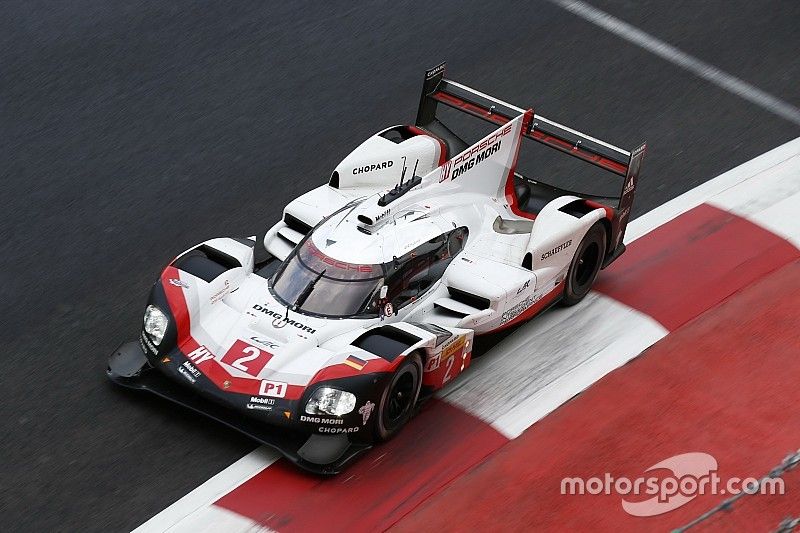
x: 374, y: 166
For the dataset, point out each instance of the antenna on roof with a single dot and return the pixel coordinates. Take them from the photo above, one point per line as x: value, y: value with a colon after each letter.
x: 401, y: 188
x: 403, y: 174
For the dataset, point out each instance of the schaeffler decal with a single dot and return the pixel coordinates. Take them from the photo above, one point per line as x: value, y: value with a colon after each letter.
x: 178, y: 283
x: 365, y: 411
x: 561, y: 247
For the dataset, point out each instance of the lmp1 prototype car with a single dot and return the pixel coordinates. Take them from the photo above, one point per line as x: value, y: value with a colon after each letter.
x: 372, y: 286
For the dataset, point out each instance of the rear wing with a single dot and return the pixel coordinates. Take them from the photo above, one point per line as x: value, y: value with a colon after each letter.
x: 437, y: 89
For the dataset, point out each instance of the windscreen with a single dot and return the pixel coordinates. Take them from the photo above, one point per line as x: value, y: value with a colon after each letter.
x: 314, y: 283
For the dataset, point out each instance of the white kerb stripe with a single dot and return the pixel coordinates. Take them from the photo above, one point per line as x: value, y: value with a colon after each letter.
x: 201, y: 498
x: 770, y: 199
x: 549, y: 360
x: 751, y: 170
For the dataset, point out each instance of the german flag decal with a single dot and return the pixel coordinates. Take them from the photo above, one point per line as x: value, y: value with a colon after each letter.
x: 355, y: 362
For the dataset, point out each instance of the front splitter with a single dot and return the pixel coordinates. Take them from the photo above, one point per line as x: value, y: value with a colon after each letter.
x: 319, y: 454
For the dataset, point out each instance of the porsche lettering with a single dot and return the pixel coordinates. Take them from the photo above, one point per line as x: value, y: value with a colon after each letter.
x: 479, y: 158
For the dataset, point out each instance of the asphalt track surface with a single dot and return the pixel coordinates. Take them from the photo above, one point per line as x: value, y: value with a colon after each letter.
x: 130, y: 132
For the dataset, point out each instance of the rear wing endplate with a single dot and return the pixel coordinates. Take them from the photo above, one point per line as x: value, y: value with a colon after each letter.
x: 437, y: 89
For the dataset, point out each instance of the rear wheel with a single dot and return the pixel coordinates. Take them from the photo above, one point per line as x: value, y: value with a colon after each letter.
x: 399, y: 398
x: 585, y: 265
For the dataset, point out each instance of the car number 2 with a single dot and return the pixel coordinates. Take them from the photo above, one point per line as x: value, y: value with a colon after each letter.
x: 247, y: 358
x: 447, y: 376
x: 253, y: 353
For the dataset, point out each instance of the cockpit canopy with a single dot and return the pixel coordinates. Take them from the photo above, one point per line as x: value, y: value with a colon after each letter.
x: 313, y: 283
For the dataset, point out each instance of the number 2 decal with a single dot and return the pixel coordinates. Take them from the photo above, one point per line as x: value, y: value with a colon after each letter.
x: 247, y: 358
x: 447, y: 375
x: 253, y: 354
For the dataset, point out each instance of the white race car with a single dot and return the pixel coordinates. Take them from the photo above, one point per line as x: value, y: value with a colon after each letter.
x: 373, y: 285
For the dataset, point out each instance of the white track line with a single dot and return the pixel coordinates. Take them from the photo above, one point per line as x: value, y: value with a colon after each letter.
x: 185, y: 512
x: 196, y: 508
x: 677, y: 57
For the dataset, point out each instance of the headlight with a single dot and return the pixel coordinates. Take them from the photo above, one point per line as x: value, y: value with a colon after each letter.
x: 155, y: 323
x: 328, y: 401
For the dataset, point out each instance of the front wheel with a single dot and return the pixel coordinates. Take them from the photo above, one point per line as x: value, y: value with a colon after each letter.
x: 585, y: 264
x: 399, y: 398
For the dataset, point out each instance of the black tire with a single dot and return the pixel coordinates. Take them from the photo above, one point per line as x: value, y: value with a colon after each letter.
x: 399, y: 398
x: 585, y: 265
